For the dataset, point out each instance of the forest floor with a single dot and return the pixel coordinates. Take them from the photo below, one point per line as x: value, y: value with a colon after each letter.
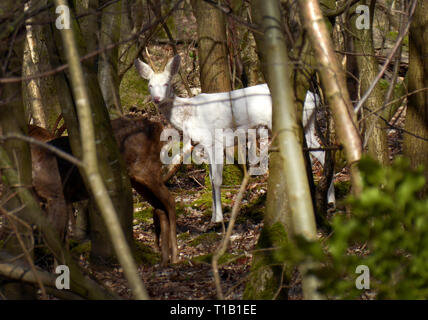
x: 198, y: 238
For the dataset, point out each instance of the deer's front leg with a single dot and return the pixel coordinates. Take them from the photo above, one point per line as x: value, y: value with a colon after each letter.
x: 216, y: 177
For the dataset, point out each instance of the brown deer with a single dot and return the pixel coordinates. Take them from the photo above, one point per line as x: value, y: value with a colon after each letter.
x: 140, y: 146
x: 47, y: 180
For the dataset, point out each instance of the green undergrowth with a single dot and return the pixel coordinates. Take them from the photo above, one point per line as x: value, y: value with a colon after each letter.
x: 144, y: 254
x: 232, y: 175
x: 386, y: 233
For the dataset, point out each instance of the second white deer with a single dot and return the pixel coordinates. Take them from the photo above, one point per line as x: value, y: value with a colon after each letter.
x: 201, y: 115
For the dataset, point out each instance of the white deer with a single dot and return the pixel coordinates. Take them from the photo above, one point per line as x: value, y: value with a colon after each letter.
x: 201, y: 115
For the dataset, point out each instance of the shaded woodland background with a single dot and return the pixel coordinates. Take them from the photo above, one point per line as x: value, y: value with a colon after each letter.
x: 379, y: 222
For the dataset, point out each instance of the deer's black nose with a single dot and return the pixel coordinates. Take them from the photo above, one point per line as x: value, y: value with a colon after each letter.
x: 156, y: 99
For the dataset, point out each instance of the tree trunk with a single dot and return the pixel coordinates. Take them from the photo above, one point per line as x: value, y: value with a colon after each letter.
x: 30, y: 66
x: 91, y: 168
x: 212, y: 49
x: 377, y: 145
x: 40, y: 96
x: 416, y: 149
x: 334, y: 87
x: 288, y: 165
x: 108, y: 75
x: 111, y: 165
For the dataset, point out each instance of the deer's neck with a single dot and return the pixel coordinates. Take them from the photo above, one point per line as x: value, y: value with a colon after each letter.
x: 177, y: 110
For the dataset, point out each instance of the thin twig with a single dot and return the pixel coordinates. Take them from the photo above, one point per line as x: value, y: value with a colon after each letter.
x: 52, y: 149
x: 24, y: 248
x: 223, y: 246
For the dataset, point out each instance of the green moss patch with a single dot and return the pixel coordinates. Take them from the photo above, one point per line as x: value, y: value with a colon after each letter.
x: 205, y: 202
x: 206, y: 239
x: 143, y: 214
x: 81, y: 248
x: 267, y: 266
x: 183, y: 236
x: 232, y: 175
x: 146, y: 255
x: 224, y: 259
x: 180, y: 209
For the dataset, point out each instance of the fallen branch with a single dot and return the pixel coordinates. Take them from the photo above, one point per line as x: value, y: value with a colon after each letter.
x: 16, y: 272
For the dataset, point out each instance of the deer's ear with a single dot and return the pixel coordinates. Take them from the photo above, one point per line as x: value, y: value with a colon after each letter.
x: 143, y: 69
x: 173, y: 65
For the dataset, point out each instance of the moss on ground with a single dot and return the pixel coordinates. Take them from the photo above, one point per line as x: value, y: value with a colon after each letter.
x: 145, y: 254
x: 205, y: 239
x: 83, y: 248
x: 232, y: 175
x: 143, y: 214
x: 205, y: 202
x: 226, y: 258
x: 183, y: 236
x: 180, y: 209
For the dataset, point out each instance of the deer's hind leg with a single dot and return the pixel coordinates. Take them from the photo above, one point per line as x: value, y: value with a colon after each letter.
x: 162, y: 219
x: 167, y: 201
x: 160, y: 198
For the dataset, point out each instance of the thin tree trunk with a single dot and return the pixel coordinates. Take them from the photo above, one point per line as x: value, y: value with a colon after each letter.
x: 108, y: 75
x: 333, y: 81
x: 113, y: 172
x: 91, y: 169
x: 290, y: 165
x: 30, y: 66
